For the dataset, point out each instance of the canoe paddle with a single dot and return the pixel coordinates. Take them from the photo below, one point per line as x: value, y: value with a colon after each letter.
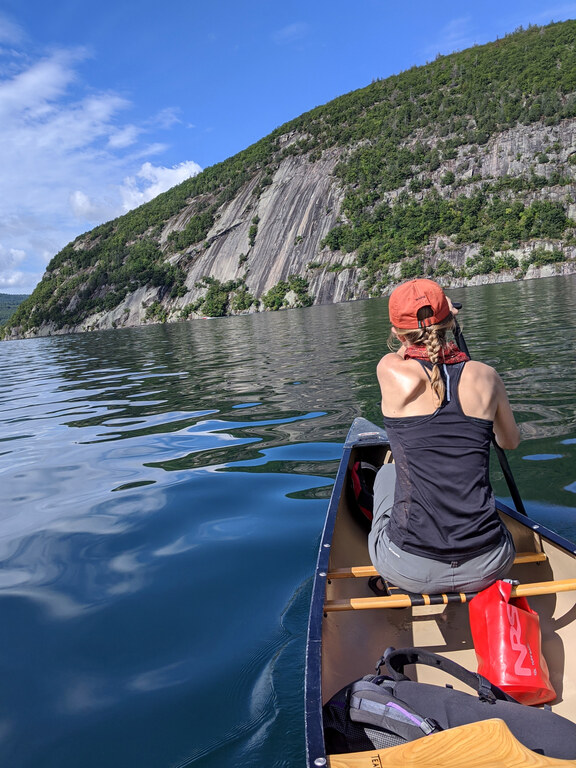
x: 502, y: 458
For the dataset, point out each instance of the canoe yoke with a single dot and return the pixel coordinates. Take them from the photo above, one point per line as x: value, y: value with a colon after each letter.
x: 407, y: 599
x: 397, y: 598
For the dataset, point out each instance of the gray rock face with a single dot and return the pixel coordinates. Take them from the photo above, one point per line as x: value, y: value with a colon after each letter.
x: 295, y: 212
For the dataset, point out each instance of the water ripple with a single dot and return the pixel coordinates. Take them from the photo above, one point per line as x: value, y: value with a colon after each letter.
x: 162, y: 493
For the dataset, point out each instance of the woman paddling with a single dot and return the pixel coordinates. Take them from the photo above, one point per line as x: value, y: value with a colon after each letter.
x: 435, y: 526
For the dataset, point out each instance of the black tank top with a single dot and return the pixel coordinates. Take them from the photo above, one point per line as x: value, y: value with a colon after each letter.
x: 444, y: 507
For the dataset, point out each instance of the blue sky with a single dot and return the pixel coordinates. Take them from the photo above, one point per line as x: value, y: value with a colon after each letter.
x: 105, y: 104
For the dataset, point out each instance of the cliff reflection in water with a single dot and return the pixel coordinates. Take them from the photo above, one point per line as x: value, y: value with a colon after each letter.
x: 163, y: 491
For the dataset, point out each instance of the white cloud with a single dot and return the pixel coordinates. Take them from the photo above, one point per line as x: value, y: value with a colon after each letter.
x: 456, y: 35
x: 151, y: 180
x: 69, y: 158
x: 12, y: 279
x: 10, y: 32
x: 555, y: 12
x: 87, y: 209
x: 125, y: 137
x: 462, y: 32
x: 166, y: 118
x: 291, y: 33
x: 148, y: 182
x: 9, y: 259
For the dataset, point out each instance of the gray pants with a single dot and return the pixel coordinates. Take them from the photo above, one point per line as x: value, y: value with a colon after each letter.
x: 421, y: 574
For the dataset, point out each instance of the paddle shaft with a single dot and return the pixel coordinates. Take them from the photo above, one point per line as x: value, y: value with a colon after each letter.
x: 409, y: 600
x: 502, y: 458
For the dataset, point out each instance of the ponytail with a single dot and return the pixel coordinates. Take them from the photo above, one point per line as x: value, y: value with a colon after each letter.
x: 434, y: 341
x: 433, y: 337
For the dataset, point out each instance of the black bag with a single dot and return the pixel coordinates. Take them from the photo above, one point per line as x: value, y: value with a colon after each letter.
x: 362, y: 476
x: 380, y: 711
x: 367, y: 715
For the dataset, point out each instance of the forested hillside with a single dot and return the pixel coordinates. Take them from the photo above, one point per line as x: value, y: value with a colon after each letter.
x: 460, y: 168
x: 9, y: 303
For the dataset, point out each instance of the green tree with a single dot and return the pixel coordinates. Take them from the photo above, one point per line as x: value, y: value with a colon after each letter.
x: 274, y: 299
x: 253, y: 231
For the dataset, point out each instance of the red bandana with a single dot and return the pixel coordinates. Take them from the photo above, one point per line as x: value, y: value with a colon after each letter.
x: 452, y: 354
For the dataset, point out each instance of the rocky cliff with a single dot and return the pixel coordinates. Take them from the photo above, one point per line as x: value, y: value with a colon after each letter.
x: 346, y: 201
x: 294, y: 212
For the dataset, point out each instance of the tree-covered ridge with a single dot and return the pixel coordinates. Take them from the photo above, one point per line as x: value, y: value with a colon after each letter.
x: 466, y: 96
x: 408, y: 142
x: 389, y: 233
x: 9, y: 303
x: 459, y: 100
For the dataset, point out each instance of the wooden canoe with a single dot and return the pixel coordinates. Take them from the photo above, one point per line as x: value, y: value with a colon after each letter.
x: 349, y: 629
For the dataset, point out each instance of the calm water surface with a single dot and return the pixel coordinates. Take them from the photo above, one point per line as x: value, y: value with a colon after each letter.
x: 162, y: 494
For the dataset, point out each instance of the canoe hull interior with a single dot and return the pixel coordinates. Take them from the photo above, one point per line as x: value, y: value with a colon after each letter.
x: 345, y: 645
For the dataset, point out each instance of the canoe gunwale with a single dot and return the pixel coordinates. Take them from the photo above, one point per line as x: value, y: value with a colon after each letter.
x: 315, y: 751
x: 362, y: 433
x: 538, y: 528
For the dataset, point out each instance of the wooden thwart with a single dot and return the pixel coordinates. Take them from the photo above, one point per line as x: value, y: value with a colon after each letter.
x: 486, y: 744
x: 364, y: 571
x: 407, y: 600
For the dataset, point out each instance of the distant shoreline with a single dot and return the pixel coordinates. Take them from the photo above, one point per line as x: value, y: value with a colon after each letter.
x: 564, y: 269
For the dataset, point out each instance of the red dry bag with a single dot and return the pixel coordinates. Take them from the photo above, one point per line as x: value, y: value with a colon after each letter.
x: 507, y: 641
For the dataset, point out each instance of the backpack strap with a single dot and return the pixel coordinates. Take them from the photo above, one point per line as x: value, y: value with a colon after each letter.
x: 372, y: 703
x: 395, y: 661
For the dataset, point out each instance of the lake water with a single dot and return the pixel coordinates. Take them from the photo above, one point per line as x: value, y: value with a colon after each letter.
x: 162, y: 494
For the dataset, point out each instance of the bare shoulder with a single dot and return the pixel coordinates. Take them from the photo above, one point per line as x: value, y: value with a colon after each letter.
x: 479, y: 368
x: 484, y: 395
x: 389, y: 362
x: 481, y: 374
x: 393, y: 366
x: 402, y: 382
x: 481, y: 391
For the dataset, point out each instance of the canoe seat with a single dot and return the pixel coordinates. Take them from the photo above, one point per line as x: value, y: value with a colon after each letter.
x: 364, y: 571
x: 485, y: 744
x: 408, y: 599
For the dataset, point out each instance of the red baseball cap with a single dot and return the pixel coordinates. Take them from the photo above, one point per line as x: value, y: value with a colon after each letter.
x: 407, y: 298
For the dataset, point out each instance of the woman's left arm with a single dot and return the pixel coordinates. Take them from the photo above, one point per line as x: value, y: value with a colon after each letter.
x: 505, y: 427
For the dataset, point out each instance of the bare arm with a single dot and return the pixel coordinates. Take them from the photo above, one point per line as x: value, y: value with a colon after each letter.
x: 505, y: 427
x: 483, y: 395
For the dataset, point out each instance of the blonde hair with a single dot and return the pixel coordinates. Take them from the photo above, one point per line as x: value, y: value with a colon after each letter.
x: 433, y: 337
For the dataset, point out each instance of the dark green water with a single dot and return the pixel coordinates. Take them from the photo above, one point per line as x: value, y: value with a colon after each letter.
x: 162, y: 494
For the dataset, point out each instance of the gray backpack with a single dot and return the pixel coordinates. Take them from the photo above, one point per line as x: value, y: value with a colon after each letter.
x: 381, y: 711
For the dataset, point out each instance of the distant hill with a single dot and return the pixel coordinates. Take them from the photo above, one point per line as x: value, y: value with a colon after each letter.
x: 9, y: 303
x: 463, y: 169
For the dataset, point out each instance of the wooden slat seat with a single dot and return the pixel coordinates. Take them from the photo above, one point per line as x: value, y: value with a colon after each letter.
x: 405, y: 600
x: 365, y: 571
x: 486, y: 744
